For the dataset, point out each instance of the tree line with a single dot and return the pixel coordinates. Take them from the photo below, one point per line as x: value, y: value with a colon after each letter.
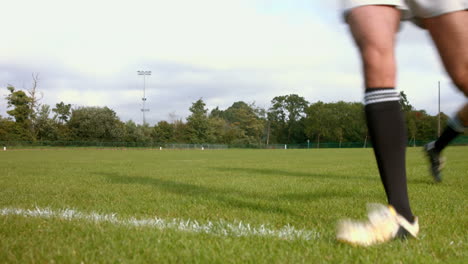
x: 290, y: 119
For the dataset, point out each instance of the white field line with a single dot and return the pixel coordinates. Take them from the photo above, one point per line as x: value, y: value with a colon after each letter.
x: 218, y: 228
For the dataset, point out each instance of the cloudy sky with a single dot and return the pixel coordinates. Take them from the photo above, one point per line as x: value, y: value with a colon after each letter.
x: 88, y: 52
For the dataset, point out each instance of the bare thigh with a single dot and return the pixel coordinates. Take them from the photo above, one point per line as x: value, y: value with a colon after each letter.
x: 450, y: 34
x: 374, y: 29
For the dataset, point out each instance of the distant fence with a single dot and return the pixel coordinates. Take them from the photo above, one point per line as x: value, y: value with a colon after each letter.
x: 105, y: 144
x: 463, y: 140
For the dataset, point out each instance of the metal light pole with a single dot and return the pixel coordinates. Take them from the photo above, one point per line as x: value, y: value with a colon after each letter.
x: 143, y: 110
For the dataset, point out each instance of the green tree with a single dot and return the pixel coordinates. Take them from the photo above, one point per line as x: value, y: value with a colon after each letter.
x: 317, y: 121
x: 95, y: 124
x: 427, y: 125
x: 405, y: 104
x: 218, y: 129
x: 132, y: 133
x: 62, y: 112
x: 216, y: 112
x: 181, y: 131
x: 246, y: 118
x: 411, y: 125
x: 145, y: 131
x: 163, y: 132
x: 20, y: 102
x: 46, y: 128
x: 410, y: 116
x: 8, y: 130
x: 21, y: 111
x: 336, y: 122
x: 348, y: 122
x: 286, y: 118
x: 197, y: 123
x: 355, y: 126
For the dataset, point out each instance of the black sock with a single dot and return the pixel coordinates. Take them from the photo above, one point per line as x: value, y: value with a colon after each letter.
x: 450, y: 133
x: 387, y: 130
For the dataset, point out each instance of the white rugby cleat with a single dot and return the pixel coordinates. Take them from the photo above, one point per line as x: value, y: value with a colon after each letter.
x: 384, y: 224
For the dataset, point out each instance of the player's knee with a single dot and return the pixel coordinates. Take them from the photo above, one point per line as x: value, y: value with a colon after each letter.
x: 376, y: 55
x: 379, y: 66
x: 377, y: 58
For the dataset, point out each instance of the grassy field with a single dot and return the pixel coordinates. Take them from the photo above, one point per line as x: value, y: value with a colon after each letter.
x: 218, y: 206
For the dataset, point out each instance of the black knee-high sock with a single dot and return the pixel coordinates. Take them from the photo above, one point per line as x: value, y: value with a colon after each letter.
x: 388, y: 135
x: 453, y: 129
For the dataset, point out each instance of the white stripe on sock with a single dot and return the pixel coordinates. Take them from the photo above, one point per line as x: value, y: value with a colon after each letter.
x: 381, y: 96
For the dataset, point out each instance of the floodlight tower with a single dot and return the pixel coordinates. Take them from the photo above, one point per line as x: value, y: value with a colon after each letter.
x: 143, y: 110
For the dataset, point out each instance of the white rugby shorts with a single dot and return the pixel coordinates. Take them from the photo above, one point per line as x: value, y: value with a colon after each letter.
x: 412, y: 9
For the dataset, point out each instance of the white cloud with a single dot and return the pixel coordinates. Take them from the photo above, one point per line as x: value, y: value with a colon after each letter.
x: 98, y: 37
x: 88, y: 52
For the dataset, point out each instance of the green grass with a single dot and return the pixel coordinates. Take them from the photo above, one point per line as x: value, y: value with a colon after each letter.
x: 308, y: 189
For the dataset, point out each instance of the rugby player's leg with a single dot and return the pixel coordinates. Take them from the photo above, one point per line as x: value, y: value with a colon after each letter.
x: 374, y: 30
x: 450, y: 34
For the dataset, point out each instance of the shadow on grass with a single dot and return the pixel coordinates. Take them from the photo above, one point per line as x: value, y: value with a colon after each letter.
x: 323, y: 176
x: 421, y: 181
x: 224, y: 196
x: 321, y: 194
x: 276, y: 172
